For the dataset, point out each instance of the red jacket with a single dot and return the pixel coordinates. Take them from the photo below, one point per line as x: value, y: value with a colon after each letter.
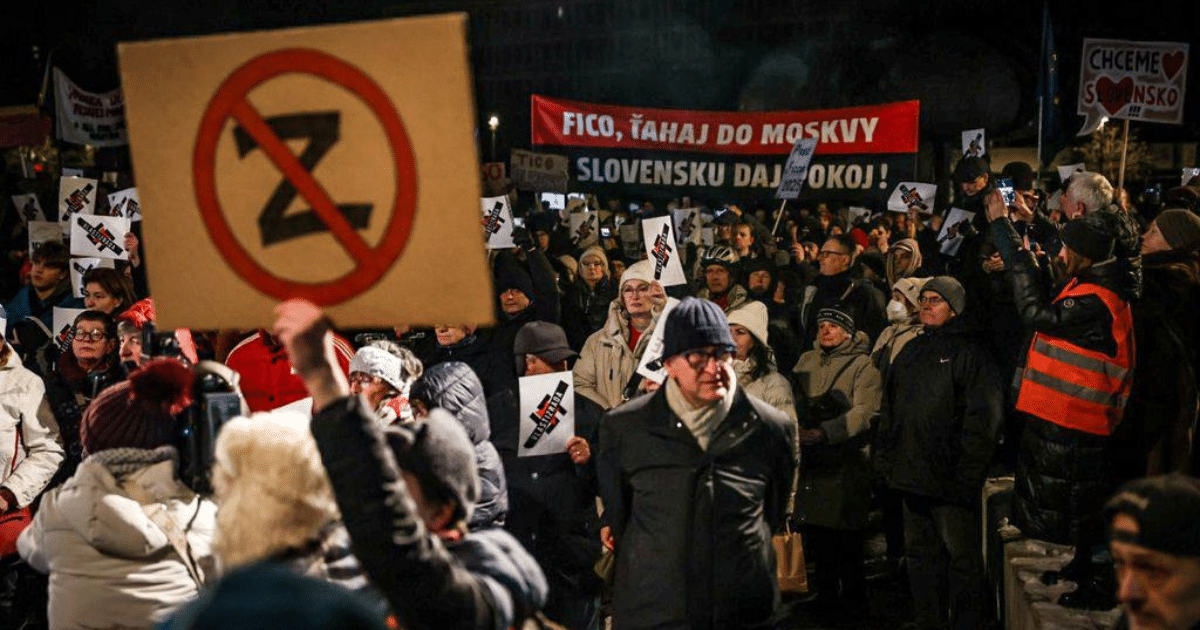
x: 267, y: 379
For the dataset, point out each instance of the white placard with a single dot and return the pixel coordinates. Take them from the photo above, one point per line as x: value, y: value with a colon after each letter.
x: 795, y: 171
x: 688, y: 224
x: 547, y: 414
x: 1066, y: 171
x: 1189, y: 174
x: 82, y: 117
x: 125, y: 204
x: 80, y: 266
x: 497, y: 222
x: 909, y: 194
x: 539, y: 171
x: 650, y: 365
x: 857, y: 214
x: 951, y: 238
x: 64, y: 319
x: 42, y: 232
x: 76, y: 195
x: 556, y: 201
x: 94, y: 236
x: 974, y: 143
x: 661, y: 248
x: 28, y: 207
x: 585, y: 229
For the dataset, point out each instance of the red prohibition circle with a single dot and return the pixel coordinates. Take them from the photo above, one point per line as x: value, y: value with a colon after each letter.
x: 371, y: 263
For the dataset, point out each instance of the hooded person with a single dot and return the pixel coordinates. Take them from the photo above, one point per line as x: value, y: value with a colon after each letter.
x: 605, y: 371
x: 904, y: 323
x: 454, y: 387
x: 124, y: 540
x: 903, y: 259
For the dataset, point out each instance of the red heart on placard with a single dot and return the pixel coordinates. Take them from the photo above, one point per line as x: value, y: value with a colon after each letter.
x: 1172, y: 63
x: 1114, y: 96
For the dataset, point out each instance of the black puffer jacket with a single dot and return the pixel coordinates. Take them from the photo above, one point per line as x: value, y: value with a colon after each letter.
x: 585, y: 309
x: 941, y: 415
x: 455, y: 388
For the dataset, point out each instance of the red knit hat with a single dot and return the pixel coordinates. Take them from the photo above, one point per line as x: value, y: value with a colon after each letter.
x: 137, y: 413
x: 143, y: 311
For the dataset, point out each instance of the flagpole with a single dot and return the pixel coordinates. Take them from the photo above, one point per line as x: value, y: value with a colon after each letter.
x: 1124, y: 150
x: 778, y: 217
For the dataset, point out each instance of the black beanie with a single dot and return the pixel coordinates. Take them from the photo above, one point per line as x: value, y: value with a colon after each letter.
x: 512, y: 277
x: 695, y: 323
x: 838, y: 315
x: 1165, y: 509
x: 1088, y: 237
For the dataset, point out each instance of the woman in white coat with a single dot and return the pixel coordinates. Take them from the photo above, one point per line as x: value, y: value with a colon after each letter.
x: 124, y: 540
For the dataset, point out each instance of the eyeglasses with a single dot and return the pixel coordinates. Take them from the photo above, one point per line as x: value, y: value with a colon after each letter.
x: 826, y: 253
x: 359, y: 378
x: 90, y: 335
x: 931, y: 300
x: 698, y: 359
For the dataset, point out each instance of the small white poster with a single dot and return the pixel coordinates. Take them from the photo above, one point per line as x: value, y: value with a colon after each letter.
x: 650, y: 365
x: 28, y: 207
x: 951, y: 236
x: 659, y: 237
x: 585, y: 228
x: 124, y: 203
x: 631, y: 243
x: 547, y: 414
x: 42, y: 232
x: 910, y: 194
x: 1190, y: 174
x: 706, y: 236
x: 858, y: 214
x: 974, y: 143
x: 76, y: 195
x: 1066, y: 171
x: 795, y: 171
x: 80, y: 266
x: 687, y: 224
x: 497, y: 222
x: 64, y: 320
x: 556, y: 201
x: 94, y: 236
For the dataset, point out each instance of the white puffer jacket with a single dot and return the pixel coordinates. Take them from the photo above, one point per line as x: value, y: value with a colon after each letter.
x: 110, y: 565
x: 30, y: 451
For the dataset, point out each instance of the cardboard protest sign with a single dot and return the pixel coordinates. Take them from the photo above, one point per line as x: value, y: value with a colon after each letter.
x: 688, y: 224
x: 585, y: 228
x: 650, y: 365
x: 795, y: 171
x: 497, y: 222
x: 76, y: 195
x: 1131, y: 80
x: 539, y: 171
x: 63, y: 322
x: 619, y: 151
x: 1189, y: 174
x: 912, y: 194
x: 43, y: 231
x: 335, y: 163
x: 1067, y: 170
x: 974, y: 143
x: 84, y: 117
x: 28, y: 207
x: 100, y: 237
x: 124, y: 203
x: 663, y: 250
x: 950, y: 238
x: 80, y: 266
x: 547, y: 414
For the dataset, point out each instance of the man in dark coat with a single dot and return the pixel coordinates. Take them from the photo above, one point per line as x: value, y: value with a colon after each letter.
x: 940, y: 420
x: 835, y: 285
x: 695, y: 480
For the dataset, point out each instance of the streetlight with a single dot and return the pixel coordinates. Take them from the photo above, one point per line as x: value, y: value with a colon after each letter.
x: 493, y: 124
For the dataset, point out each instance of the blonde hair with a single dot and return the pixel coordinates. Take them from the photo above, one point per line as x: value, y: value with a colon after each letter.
x: 272, y: 491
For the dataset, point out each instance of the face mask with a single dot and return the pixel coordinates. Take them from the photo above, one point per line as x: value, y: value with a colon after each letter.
x: 897, y: 312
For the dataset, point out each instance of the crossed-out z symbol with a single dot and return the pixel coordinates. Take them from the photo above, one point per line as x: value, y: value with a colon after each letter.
x: 585, y: 230
x: 493, y: 220
x: 547, y: 415
x: 100, y: 236
x: 64, y: 337
x: 322, y: 131
x: 662, y: 251
x: 913, y: 198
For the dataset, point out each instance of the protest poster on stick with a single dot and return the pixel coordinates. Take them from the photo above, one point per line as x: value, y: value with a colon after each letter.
x: 1131, y: 80
x: 335, y: 163
x: 687, y: 224
x: 912, y: 195
x: 543, y: 172
x: 950, y: 239
x: 99, y: 237
x: 795, y: 171
x: 80, y: 266
x: 974, y: 143
x: 650, y: 365
x: 663, y: 250
x: 76, y: 195
x: 585, y: 228
x: 497, y: 222
x: 28, y: 207
x: 547, y: 414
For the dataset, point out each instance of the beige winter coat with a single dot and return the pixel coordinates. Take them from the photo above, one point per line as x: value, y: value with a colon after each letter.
x: 858, y: 386
x: 606, y: 363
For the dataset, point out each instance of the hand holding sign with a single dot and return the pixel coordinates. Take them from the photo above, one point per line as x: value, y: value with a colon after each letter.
x: 497, y: 222
x: 659, y: 237
x: 547, y: 414
x: 100, y: 237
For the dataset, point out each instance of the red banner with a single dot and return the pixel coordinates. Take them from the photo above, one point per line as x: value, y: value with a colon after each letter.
x: 873, y: 129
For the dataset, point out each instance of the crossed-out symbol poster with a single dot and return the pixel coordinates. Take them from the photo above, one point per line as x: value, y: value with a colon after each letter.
x: 547, y: 414
x: 80, y: 266
x: 912, y: 195
x: 497, y: 222
x: 663, y: 250
x: 76, y: 195
x: 97, y: 236
x: 333, y: 163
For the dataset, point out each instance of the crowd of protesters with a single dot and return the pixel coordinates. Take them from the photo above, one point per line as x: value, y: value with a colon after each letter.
x: 812, y: 374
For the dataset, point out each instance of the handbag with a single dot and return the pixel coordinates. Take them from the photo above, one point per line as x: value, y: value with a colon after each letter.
x: 790, y: 569
x: 13, y: 522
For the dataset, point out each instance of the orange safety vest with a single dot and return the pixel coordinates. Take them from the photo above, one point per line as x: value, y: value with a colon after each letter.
x: 1077, y: 388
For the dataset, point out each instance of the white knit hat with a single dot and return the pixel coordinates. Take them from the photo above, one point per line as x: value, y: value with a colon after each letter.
x: 379, y: 363
x: 752, y: 315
